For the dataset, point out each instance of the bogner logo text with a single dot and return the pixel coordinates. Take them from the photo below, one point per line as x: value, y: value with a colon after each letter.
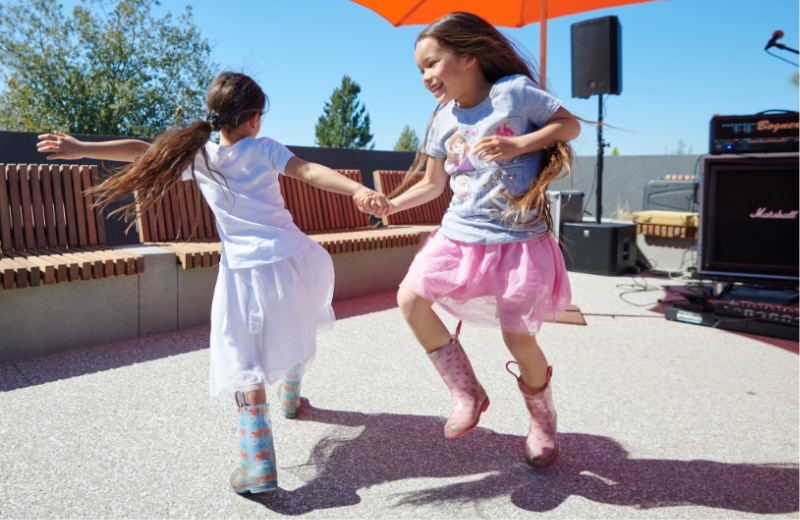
x: 765, y: 125
x: 763, y: 213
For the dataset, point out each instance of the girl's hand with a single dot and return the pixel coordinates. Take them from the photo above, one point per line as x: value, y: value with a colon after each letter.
x: 371, y: 202
x: 60, y: 146
x: 495, y: 148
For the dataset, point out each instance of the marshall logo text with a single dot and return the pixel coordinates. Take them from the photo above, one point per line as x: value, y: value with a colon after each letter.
x: 763, y: 213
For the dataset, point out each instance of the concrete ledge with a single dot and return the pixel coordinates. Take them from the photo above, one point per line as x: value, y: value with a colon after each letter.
x: 164, y: 298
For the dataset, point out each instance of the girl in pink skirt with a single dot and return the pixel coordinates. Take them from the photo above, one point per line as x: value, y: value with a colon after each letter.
x: 494, y: 260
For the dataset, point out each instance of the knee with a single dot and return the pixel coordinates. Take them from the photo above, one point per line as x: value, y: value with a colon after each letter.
x: 409, y: 303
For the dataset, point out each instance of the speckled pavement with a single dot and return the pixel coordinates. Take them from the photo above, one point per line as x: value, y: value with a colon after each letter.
x: 657, y: 419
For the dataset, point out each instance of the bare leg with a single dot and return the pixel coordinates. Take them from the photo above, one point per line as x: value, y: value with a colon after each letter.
x: 426, y: 325
x: 255, y: 397
x: 531, y: 359
x: 469, y: 399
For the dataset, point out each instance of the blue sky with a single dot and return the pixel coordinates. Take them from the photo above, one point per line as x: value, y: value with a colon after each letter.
x: 682, y: 62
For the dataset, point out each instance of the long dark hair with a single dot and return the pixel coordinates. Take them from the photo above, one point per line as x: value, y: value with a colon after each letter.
x: 467, y: 34
x: 232, y: 100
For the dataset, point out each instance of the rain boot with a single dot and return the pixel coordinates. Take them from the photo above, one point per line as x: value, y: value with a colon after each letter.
x: 289, y: 393
x: 258, y: 472
x: 469, y: 397
x: 541, y: 446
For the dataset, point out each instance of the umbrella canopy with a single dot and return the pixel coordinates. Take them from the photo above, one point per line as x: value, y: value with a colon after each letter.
x: 503, y: 13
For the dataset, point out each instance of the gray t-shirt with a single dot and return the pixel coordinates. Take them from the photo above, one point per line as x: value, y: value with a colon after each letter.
x: 515, y: 106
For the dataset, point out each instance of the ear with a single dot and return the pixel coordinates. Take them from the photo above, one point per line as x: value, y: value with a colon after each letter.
x: 470, y: 60
x: 254, y: 120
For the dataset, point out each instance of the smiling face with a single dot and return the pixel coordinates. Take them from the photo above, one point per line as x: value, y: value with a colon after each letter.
x: 443, y: 72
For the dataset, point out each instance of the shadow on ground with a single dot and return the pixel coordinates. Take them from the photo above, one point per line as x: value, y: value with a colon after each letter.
x: 366, y: 450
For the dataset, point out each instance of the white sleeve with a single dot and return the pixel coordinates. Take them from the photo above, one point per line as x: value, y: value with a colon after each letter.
x: 275, y: 154
x: 199, y: 166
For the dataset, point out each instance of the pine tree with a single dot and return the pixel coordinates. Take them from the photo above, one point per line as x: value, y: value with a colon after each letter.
x: 408, y: 141
x: 345, y: 121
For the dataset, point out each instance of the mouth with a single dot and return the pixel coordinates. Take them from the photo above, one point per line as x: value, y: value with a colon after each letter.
x: 435, y: 89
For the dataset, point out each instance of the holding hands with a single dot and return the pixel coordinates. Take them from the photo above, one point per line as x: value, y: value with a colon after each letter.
x: 372, y: 202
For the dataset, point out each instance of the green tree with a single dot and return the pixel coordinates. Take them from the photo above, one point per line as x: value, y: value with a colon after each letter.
x: 408, y: 141
x: 111, y: 68
x: 681, y: 149
x: 345, y: 121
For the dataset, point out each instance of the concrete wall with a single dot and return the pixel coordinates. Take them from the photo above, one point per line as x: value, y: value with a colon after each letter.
x: 165, y: 298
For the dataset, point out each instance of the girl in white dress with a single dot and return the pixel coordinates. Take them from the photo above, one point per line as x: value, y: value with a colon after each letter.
x: 275, y: 284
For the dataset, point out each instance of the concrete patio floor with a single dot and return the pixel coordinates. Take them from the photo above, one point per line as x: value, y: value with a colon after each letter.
x: 657, y: 419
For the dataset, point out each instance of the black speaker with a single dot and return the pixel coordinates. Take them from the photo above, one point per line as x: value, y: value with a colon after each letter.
x: 596, y: 57
x: 749, y: 218
x: 607, y: 248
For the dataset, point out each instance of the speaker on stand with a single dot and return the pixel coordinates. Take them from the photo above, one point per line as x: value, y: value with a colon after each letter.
x: 598, y: 248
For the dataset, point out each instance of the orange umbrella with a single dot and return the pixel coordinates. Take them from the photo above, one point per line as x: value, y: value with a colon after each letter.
x: 504, y: 13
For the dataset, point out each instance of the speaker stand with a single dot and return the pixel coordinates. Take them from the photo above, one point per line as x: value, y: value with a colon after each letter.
x: 600, y: 150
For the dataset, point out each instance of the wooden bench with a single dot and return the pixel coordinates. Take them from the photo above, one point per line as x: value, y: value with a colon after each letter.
x: 183, y: 222
x: 50, y: 230
x: 428, y: 214
x: 667, y: 224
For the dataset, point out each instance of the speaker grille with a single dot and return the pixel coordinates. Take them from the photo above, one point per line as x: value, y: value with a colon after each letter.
x: 749, y: 216
x: 596, y: 57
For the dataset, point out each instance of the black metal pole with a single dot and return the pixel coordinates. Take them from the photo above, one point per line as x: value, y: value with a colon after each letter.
x: 600, y: 146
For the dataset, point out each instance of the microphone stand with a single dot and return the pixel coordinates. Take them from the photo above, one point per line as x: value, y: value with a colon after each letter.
x: 784, y: 47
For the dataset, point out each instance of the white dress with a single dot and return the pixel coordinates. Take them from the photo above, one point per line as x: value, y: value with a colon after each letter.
x: 275, y: 285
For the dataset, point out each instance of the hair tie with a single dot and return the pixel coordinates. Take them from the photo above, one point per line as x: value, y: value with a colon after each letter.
x: 213, y: 120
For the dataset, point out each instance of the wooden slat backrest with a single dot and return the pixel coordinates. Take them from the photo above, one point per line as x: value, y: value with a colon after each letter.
x: 181, y: 215
x: 386, y: 181
x: 48, y: 207
x: 316, y: 210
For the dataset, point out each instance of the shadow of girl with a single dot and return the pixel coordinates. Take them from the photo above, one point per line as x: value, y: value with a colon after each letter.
x: 393, y: 447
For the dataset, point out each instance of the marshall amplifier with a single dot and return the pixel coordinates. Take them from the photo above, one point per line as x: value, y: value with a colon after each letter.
x: 749, y: 218
x: 759, y: 133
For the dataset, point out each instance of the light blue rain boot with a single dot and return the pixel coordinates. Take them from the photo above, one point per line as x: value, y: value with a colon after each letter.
x: 289, y: 393
x: 258, y: 472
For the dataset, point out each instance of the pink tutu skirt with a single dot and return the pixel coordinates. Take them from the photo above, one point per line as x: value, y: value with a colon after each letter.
x: 515, y: 286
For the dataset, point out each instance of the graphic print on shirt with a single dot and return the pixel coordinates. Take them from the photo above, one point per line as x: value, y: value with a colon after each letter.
x: 482, y: 188
x: 457, y: 154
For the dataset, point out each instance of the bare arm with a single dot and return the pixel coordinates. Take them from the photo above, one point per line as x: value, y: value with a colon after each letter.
x: 561, y: 127
x: 327, y: 179
x: 428, y: 188
x: 62, y: 146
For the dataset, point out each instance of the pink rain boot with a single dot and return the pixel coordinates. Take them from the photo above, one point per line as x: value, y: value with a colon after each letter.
x: 541, y: 446
x: 469, y: 397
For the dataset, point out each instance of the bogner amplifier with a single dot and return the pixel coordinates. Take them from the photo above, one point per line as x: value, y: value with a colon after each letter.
x: 758, y: 133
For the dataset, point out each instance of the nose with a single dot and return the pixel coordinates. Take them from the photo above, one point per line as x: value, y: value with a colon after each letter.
x: 426, y: 78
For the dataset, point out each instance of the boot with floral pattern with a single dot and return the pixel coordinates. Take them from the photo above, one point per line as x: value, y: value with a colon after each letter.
x: 258, y: 472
